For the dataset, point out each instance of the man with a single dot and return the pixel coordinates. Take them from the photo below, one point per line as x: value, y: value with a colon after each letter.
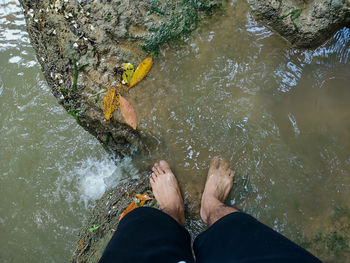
x: 150, y: 235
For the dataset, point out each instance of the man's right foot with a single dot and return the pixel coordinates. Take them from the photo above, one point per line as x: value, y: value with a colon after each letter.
x: 218, y: 186
x: 167, y: 192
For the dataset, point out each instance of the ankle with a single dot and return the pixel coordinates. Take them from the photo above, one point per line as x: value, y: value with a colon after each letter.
x: 214, y: 210
x: 220, y: 212
x: 214, y: 213
x: 178, y: 215
x: 209, y: 205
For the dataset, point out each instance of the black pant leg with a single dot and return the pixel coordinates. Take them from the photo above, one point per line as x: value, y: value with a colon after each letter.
x: 148, y: 235
x: 240, y: 238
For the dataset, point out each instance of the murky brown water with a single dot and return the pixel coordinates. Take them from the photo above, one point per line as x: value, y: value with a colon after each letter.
x: 51, y: 170
x: 281, y: 116
x: 234, y: 88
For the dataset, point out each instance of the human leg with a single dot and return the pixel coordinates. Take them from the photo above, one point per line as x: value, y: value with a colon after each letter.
x: 150, y: 235
x: 233, y: 236
x: 240, y: 238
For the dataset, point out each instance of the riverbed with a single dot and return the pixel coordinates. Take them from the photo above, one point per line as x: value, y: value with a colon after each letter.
x: 233, y: 88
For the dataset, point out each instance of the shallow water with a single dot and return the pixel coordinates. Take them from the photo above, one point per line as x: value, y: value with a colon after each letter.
x: 51, y: 170
x: 234, y: 88
x: 278, y: 114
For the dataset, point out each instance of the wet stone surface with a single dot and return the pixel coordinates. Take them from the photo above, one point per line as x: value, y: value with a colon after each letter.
x: 102, y: 35
x: 304, y: 23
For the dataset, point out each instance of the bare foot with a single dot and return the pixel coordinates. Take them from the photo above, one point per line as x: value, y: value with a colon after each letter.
x: 218, y: 186
x: 167, y: 192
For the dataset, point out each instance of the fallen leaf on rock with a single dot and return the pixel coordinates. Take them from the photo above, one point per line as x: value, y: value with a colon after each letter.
x: 139, y: 200
x: 110, y: 102
x: 128, y: 112
x: 128, y: 73
x: 141, y: 71
x: 143, y: 196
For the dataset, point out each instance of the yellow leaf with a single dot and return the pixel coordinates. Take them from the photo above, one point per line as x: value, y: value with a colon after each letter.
x: 110, y: 102
x: 128, y: 73
x: 128, y: 112
x: 141, y: 71
x: 140, y: 199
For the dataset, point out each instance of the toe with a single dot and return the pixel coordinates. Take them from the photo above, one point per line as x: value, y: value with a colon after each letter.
x: 160, y: 167
x: 154, y: 177
x: 155, y: 170
x: 223, y: 164
x: 164, y: 166
x: 232, y: 173
x: 215, y: 162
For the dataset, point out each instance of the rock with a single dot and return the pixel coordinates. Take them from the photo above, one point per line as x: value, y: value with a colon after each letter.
x: 103, y: 35
x: 106, y: 216
x: 318, y: 20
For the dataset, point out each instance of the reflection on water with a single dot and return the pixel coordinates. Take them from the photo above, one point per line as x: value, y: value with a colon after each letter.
x: 234, y: 88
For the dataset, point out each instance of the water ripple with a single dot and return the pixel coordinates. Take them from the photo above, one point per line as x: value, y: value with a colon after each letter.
x: 12, y: 31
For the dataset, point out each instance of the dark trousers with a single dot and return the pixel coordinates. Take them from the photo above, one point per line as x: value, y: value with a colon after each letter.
x: 149, y: 235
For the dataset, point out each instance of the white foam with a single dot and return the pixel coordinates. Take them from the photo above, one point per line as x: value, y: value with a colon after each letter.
x: 15, y: 60
x: 98, y: 176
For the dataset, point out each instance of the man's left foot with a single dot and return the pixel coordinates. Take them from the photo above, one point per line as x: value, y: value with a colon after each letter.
x: 167, y: 192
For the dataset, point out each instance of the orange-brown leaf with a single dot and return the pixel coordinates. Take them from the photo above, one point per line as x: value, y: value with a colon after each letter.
x: 141, y: 198
x: 128, y: 112
x: 141, y: 71
x: 131, y: 207
x: 110, y: 102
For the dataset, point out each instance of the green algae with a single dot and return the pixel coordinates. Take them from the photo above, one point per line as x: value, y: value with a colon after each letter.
x: 329, y: 243
x: 75, y: 114
x: 108, y: 139
x: 180, y: 18
x: 76, y: 71
x: 75, y: 74
x: 65, y: 91
x: 294, y: 14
